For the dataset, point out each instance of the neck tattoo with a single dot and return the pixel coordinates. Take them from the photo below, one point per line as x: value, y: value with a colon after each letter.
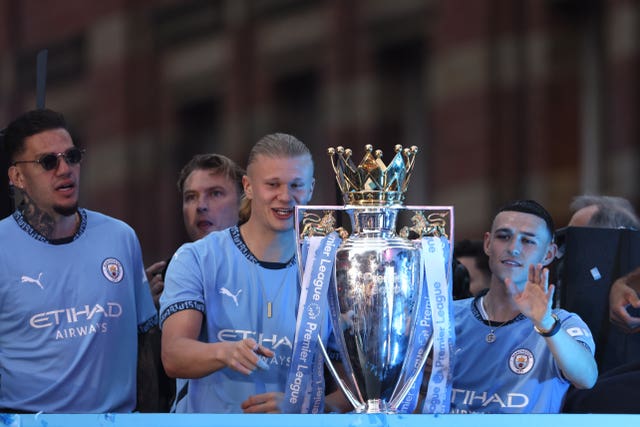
x: 491, y: 336
x: 41, y: 221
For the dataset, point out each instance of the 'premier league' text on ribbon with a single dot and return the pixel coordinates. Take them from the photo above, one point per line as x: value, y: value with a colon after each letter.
x: 318, y: 268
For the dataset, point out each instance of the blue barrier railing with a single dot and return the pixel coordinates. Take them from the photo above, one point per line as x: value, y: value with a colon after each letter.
x: 323, y: 420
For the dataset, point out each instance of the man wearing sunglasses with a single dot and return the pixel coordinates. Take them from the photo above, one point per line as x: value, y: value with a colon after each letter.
x: 73, y: 292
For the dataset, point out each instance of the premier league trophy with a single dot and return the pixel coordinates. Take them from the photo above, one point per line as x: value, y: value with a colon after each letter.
x: 389, y: 296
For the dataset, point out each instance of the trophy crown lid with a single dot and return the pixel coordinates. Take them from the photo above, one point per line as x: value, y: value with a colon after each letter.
x: 372, y: 183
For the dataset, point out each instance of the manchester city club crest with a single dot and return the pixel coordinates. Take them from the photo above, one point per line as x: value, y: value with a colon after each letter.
x: 521, y: 361
x: 112, y: 270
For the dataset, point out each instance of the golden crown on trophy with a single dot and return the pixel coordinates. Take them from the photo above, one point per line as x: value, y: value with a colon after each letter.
x: 372, y: 183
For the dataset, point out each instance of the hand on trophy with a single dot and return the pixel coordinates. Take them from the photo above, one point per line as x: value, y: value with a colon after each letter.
x: 265, y: 403
x: 536, y: 298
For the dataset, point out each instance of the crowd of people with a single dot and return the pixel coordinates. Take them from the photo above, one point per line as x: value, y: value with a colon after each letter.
x: 84, y: 327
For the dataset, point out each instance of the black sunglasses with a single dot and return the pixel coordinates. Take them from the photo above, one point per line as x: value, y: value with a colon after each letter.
x: 50, y: 161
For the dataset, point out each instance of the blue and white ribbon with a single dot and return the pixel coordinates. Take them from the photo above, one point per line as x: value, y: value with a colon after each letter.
x: 423, y: 329
x: 438, y: 278
x: 304, y: 391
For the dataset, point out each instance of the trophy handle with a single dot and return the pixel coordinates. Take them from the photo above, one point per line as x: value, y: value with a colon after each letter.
x: 397, y: 399
x: 358, y: 406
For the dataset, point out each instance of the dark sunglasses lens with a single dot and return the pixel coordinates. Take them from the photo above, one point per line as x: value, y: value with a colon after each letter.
x: 73, y: 156
x: 49, y: 161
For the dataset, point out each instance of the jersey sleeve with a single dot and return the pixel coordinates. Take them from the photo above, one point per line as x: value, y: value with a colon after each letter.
x: 577, y: 329
x: 145, y: 309
x: 183, y: 284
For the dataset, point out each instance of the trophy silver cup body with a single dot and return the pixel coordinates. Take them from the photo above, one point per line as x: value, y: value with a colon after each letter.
x: 378, y: 299
x: 377, y: 291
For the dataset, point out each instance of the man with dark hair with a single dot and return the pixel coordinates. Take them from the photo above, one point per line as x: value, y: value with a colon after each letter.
x: 470, y: 253
x: 73, y: 293
x: 515, y: 354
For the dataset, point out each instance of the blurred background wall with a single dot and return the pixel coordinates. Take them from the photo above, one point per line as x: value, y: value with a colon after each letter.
x: 505, y: 98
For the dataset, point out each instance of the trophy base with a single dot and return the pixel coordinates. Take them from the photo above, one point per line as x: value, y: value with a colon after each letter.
x: 375, y: 406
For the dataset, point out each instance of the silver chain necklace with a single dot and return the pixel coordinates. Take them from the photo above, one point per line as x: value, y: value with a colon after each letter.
x: 491, y: 336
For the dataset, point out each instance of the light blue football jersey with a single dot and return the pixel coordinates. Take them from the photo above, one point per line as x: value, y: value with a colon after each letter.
x: 218, y: 276
x: 70, y: 316
x: 514, y: 374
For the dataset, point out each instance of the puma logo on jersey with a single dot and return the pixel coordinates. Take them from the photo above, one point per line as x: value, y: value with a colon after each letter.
x: 27, y: 279
x: 227, y: 292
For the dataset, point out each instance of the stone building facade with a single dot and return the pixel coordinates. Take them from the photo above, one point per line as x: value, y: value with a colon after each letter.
x: 505, y: 99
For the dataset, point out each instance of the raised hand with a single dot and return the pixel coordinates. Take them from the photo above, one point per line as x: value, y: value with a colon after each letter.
x: 536, y: 298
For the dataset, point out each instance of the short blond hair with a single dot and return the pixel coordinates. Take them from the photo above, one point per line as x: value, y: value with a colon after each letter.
x: 273, y: 145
